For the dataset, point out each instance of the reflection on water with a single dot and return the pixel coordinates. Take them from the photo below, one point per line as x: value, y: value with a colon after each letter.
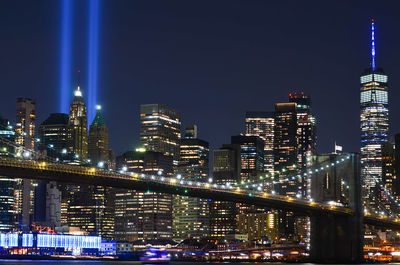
x: 98, y: 262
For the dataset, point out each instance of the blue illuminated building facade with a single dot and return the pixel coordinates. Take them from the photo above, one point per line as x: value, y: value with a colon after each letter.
x: 38, y: 243
x: 374, y: 123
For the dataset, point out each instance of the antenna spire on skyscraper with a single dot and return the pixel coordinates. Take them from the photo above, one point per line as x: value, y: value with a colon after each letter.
x: 373, y: 43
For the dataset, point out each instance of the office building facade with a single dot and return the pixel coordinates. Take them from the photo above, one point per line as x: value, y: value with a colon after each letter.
x: 374, y: 124
x: 191, y: 215
x: 25, y: 124
x: 261, y: 124
x: 226, y: 170
x: 143, y: 215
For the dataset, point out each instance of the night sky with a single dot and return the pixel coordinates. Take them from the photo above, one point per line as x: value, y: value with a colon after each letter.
x: 212, y: 60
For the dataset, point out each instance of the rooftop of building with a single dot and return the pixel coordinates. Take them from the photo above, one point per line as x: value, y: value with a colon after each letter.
x: 56, y: 118
x: 259, y: 114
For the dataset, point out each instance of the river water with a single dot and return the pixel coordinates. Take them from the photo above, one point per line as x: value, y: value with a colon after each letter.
x: 97, y: 262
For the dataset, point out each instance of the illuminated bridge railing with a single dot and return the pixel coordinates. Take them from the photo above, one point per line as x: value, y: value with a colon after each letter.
x: 168, y: 181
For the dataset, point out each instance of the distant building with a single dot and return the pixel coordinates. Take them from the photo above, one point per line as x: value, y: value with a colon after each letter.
x: 78, y: 125
x: 191, y: 215
x: 258, y: 225
x: 396, y: 178
x: 226, y: 170
x: 25, y: 123
x: 160, y: 129
x: 374, y: 123
x: 261, y: 124
x: 8, y: 186
x: 88, y: 207
x: 306, y: 135
x: 286, y: 147
x: 54, y: 135
x: 98, y: 147
x: 143, y: 215
x: 160, y: 132
x: 25, y: 136
x: 54, y: 139
x: 251, y: 156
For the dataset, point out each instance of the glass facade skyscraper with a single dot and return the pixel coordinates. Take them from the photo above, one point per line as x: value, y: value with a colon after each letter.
x: 374, y: 125
x: 261, y: 124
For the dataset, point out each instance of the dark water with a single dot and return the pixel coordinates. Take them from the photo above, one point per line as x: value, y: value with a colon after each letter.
x: 96, y: 262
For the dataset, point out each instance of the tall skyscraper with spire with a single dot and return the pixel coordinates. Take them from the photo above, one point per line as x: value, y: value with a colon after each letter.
x: 78, y: 125
x: 374, y: 122
x: 98, y: 148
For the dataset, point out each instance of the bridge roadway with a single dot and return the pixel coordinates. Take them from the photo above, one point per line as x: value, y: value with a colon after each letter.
x: 73, y: 174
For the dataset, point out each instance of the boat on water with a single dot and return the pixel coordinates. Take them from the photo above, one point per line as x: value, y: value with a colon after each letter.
x: 155, y: 256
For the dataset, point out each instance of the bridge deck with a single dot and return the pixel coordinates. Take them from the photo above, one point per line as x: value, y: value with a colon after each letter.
x: 59, y: 172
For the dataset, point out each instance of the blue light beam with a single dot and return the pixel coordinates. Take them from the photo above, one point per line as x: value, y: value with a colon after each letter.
x: 373, y: 44
x: 93, y: 50
x: 65, y: 63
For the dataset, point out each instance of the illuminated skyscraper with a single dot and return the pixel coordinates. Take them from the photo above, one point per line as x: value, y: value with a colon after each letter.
x: 98, y: 148
x: 25, y: 123
x: 286, y: 161
x: 8, y: 202
x: 261, y: 124
x: 25, y: 136
x: 54, y: 135
x: 160, y: 132
x: 191, y: 215
x: 306, y: 135
x: 285, y: 146
x: 226, y: 170
x: 251, y: 156
x: 160, y: 129
x: 374, y: 123
x: 78, y: 125
x: 54, y: 139
x: 143, y: 215
x: 88, y: 207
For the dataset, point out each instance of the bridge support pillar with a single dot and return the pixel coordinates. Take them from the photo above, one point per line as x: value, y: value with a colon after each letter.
x: 335, y: 237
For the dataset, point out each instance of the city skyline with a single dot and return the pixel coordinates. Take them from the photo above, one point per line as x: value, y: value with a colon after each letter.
x: 234, y: 65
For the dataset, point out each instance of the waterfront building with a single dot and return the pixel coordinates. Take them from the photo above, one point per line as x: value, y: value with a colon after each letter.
x: 143, y: 215
x: 261, y: 124
x: 258, y: 225
x: 191, y: 215
x: 374, y: 125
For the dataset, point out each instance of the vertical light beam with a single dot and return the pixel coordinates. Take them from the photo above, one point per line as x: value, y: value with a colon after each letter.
x: 373, y: 44
x: 94, y: 6
x: 65, y: 60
